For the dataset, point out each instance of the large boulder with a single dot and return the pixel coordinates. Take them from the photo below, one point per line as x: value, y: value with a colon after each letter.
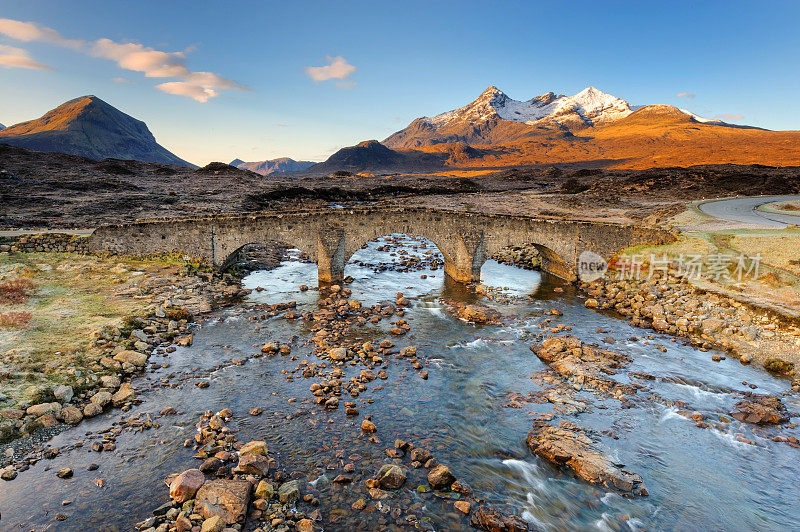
x: 391, y: 477
x: 571, y: 448
x: 227, y: 499
x: 131, y: 357
x: 185, y: 486
x: 440, y: 477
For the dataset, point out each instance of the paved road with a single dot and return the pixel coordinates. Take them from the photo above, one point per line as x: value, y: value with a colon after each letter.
x: 744, y: 210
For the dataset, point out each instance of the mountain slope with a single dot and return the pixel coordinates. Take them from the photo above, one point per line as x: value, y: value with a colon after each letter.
x: 494, y: 118
x: 372, y: 156
x: 281, y: 165
x: 89, y: 127
x: 2, y: 126
x: 651, y: 137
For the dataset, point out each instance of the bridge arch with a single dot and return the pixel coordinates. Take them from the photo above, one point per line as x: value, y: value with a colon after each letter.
x: 331, y: 236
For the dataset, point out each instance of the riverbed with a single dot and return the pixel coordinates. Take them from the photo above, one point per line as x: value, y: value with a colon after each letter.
x: 729, y: 476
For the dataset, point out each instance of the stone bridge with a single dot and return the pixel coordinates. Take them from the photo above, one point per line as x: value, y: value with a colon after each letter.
x: 331, y: 236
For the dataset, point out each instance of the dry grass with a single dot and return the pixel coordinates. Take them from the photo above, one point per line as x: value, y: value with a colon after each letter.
x: 49, y: 336
x: 15, y: 291
x: 15, y: 319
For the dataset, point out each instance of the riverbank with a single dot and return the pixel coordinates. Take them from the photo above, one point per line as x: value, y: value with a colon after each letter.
x: 77, y: 328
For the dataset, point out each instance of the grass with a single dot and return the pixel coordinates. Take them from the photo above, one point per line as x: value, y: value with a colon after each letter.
x: 778, y: 281
x: 51, y: 304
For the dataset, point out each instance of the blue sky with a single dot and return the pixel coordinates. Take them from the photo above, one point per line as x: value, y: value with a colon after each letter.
x: 397, y: 61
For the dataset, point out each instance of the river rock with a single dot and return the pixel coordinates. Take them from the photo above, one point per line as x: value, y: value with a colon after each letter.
x: 71, y: 415
x: 131, y: 357
x: 92, y: 409
x: 185, y: 486
x: 574, y: 450
x: 101, y: 398
x: 123, y: 395
x: 440, y: 477
x: 43, y: 409
x: 227, y: 499
x: 339, y: 353
x: 253, y: 464
x: 254, y: 447
x: 63, y: 393
x: 213, y: 524
x: 289, y: 491
x: 760, y: 410
x: 474, y: 312
x: 487, y: 518
x: 391, y: 477
x: 110, y: 381
x: 265, y: 490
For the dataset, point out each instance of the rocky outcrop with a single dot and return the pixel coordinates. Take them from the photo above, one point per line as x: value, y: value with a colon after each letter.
x: 567, y: 446
x: 761, y: 410
x: 473, y: 312
x: 485, y: 517
x: 584, y: 365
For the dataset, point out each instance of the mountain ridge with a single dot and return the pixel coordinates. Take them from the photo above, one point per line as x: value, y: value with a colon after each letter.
x: 495, y: 118
x: 90, y: 127
x: 281, y: 165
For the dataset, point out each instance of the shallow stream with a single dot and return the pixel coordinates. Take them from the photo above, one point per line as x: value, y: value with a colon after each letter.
x: 698, y: 478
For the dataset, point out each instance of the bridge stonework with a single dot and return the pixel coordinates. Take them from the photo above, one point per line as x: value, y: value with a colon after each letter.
x: 331, y: 236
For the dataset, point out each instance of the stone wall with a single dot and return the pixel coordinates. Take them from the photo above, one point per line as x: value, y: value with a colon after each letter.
x: 46, y: 243
x: 331, y: 236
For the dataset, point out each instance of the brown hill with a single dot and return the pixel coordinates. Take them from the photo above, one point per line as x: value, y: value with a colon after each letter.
x: 653, y: 136
x: 89, y: 127
x: 373, y: 157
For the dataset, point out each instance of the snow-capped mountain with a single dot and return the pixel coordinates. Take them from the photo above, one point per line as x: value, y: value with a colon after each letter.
x: 590, y: 105
x: 495, y: 118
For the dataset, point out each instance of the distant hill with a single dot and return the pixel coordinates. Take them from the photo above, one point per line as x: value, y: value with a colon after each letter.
x: 281, y: 165
x: 2, y: 126
x: 89, y: 127
x: 372, y: 156
x: 590, y: 128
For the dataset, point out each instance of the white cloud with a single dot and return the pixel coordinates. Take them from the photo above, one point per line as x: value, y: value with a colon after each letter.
x: 13, y: 57
x: 139, y: 58
x: 30, y: 31
x: 181, y: 88
x: 338, y: 68
x: 200, y: 86
x: 123, y: 80
x: 689, y: 95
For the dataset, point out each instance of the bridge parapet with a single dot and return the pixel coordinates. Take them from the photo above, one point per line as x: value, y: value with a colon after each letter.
x: 331, y: 236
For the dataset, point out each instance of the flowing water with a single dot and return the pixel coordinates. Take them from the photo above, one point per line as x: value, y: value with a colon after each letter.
x: 697, y: 478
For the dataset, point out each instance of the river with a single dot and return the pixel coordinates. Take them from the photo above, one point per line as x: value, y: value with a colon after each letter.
x: 697, y: 478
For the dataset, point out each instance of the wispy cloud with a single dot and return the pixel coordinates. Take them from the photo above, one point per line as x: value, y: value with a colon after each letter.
x: 13, y: 57
x: 689, y: 95
x: 123, y: 80
x: 337, y: 68
x: 30, y: 32
x: 729, y: 117
x: 200, y: 86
